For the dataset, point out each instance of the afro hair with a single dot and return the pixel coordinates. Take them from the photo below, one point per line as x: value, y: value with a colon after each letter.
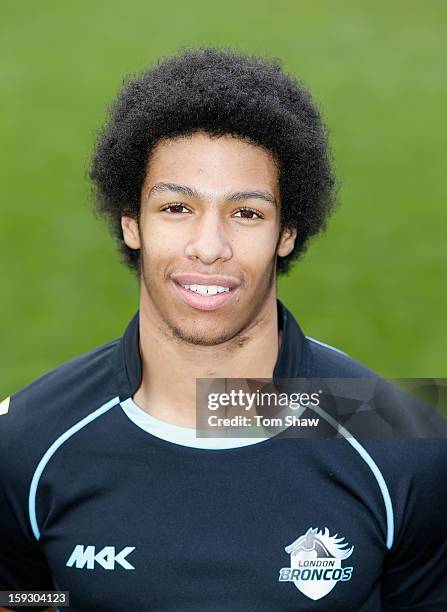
x: 217, y: 91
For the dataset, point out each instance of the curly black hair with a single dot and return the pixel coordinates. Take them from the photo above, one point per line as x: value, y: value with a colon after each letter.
x: 217, y: 91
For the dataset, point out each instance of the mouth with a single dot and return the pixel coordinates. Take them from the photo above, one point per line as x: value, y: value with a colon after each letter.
x: 209, y: 293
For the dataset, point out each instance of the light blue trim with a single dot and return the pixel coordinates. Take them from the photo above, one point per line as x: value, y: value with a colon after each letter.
x: 327, y: 345
x: 373, y: 467
x: 187, y: 436
x: 50, y: 452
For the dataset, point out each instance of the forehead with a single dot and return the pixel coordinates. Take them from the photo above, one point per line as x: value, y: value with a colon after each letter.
x: 217, y: 163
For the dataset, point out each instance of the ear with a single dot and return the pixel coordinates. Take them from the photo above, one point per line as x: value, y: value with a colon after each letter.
x: 131, y: 234
x: 287, y: 241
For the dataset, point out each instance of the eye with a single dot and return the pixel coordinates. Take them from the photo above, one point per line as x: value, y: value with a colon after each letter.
x: 246, y: 214
x: 176, y: 208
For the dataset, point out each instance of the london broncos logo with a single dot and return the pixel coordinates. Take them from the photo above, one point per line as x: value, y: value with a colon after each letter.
x: 315, y: 563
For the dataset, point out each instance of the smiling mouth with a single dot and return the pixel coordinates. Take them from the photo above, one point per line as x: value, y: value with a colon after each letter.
x: 206, y: 289
x: 204, y: 297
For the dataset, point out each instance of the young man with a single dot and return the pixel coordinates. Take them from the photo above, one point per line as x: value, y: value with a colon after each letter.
x: 214, y: 172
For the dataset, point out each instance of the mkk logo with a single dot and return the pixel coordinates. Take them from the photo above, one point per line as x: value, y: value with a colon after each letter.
x: 315, y: 563
x: 86, y: 556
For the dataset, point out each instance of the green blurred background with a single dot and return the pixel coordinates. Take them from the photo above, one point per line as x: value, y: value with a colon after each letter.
x: 373, y: 286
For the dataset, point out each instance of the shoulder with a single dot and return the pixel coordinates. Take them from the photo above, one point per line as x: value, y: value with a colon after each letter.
x: 377, y: 406
x: 80, y: 378
x: 32, y: 418
x: 323, y: 360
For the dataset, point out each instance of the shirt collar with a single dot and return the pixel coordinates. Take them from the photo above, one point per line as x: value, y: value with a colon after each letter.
x: 128, y: 356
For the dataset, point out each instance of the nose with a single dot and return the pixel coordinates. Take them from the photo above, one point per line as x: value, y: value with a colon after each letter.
x: 208, y: 241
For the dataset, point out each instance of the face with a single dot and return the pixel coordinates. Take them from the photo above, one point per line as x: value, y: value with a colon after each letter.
x: 209, y: 234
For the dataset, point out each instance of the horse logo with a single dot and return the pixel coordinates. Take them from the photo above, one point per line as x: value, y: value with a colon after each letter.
x: 315, y: 563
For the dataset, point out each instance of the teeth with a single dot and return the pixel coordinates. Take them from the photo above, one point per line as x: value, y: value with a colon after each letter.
x: 207, y: 289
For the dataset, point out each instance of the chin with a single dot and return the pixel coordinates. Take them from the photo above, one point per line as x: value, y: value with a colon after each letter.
x: 198, y: 337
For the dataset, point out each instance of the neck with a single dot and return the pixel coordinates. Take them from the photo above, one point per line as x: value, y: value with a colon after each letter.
x: 168, y: 387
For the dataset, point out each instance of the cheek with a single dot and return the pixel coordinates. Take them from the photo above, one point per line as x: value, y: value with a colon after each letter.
x: 260, y: 239
x: 254, y: 250
x: 160, y: 243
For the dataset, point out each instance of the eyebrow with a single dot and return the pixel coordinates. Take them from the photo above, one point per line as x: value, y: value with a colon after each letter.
x: 234, y: 196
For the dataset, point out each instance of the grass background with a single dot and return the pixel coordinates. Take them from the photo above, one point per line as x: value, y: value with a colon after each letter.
x: 374, y: 285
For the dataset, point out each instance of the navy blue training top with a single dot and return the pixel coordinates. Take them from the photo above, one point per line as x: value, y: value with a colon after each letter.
x: 93, y: 503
